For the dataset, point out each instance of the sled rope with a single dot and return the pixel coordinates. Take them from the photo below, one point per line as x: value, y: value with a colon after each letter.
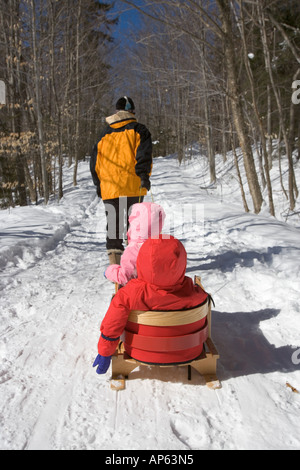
x: 141, y: 194
x: 151, y: 195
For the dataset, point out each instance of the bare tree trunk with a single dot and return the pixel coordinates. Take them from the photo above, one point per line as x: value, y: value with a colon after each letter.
x: 29, y: 183
x: 269, y: 126
x: 236, y: 163
x: 57, y: 105
x: 208, y: 130
x: 257, y: 115
x: 236, y: 106
x: 279, y: 165
x: 224, y: 139
x: 38, y: 108
x: 209, y: 146
x: 77, y: 93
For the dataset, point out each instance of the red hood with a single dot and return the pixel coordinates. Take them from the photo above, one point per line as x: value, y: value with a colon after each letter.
x: 162, y: 262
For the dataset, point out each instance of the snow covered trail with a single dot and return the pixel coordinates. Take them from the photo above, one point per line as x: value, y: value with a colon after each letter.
x: 52, y: 313
x: 54, y: 295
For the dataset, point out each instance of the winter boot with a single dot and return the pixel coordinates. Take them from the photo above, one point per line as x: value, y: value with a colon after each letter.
x: 114, y: 256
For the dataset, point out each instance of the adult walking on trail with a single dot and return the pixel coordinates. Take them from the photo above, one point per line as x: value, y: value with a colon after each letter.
x: 121, y: 165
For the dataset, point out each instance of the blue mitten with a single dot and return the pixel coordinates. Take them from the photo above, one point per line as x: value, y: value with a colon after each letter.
x: 103, y: 363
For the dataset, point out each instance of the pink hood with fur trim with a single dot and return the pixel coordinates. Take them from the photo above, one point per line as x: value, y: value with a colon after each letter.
x: 146, y: 221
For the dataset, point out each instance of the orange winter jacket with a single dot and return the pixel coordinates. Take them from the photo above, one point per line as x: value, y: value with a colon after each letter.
x: 122, y: 157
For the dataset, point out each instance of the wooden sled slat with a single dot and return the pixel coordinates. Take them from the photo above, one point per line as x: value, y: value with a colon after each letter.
x: 117, y: 383
x: 205, y: 365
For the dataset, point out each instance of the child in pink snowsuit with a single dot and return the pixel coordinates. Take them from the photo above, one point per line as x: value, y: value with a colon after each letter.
x: 146, y: 221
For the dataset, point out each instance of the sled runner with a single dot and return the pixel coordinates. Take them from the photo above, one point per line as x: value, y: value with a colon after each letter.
x: 166, y: 339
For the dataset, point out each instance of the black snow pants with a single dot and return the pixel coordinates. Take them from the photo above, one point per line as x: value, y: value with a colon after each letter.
x: 117, y: 212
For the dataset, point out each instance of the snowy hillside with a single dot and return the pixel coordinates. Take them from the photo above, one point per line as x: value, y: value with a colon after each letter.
x: 54, y: 295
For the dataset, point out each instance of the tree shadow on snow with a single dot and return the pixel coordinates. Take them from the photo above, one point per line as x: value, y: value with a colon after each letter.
x: 243, y: 348
x: 226, y: 262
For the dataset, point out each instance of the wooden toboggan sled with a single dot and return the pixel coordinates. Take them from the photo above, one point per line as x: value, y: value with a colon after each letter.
x: 134, y: 344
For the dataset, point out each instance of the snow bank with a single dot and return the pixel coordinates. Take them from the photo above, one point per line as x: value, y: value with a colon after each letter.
x: 27, y: 233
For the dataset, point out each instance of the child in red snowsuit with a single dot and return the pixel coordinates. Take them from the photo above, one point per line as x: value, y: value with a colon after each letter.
x: 161, y: 284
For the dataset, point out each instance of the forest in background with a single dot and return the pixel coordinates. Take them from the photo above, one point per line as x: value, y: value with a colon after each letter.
x: 219, y: 73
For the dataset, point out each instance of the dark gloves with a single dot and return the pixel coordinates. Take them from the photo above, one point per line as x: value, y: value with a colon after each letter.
x: 145, y: 182
x: 103, y: 363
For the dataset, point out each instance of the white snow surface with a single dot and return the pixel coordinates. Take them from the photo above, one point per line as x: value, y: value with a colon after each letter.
x: 54, y: 296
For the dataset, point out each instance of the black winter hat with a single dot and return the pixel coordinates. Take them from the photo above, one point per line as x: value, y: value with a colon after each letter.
x: 125, y: 104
